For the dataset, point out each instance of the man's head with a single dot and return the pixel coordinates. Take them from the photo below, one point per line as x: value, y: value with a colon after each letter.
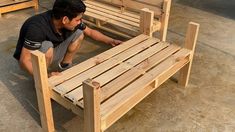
x: 69, y: 11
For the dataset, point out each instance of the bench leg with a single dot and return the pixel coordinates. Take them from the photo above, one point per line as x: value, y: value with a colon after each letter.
x: 190, y: 43
x: 164, y: 19
x: 91, y: 94
x: 43, y: 91
x: 35, y: 6
x: 146, y: 22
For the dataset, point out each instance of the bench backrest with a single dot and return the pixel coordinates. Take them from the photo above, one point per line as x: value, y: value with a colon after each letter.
x: 137, y: 5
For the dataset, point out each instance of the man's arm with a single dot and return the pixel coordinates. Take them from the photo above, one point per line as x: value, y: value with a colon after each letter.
x: 96, y: 35
x: 25, y: 60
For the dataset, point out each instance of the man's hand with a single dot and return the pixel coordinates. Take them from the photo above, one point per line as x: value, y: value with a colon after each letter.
x: 115, y: 42
x: 54, y: 74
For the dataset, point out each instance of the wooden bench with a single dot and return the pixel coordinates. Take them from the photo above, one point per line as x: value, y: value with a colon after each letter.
x: 129, y: 17
x: 105, y: 87
x: 13, y: 5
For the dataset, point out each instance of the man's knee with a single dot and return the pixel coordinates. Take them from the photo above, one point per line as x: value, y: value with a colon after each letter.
x: 73, y: 47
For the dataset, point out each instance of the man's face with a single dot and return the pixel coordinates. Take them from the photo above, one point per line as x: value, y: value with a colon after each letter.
x: 71, y: 24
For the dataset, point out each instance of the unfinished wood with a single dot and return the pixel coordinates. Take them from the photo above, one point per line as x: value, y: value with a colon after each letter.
x: 134, y: 5
x: 43, y: 91
x: 146, y: 22
x: 91, y: 92
x: 18, y: 5
x: 122, y: 102
x: 67, y: 74
x: 190, y: 43
x: 164, y: 19
x: 118, y: 70
x: 76, y: 81
x: 111, y: 8
x: 133, y: 18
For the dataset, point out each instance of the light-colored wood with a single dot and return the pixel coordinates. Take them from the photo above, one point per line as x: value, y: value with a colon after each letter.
x: 8, y: 7
x: 122, y: 102
x: 91, y: 92
x: 190, y: 43
x: 67, y: 74
x: 76, y: 81
x: 164, y: 19
x: 116, y: 71
x: 146, y: 22
x: 43, y: 91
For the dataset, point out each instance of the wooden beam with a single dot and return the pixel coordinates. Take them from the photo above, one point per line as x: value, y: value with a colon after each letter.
x: 43, y: 91
x: 92, y: 119
x: 164, y: 19
x: 190, y: 43
x: 146, y: 22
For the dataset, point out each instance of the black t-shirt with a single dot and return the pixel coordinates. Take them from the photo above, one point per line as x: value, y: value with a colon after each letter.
x: 37, y: 29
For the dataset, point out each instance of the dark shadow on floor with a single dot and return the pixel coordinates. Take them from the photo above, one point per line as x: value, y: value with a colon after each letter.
x: 225, y: 8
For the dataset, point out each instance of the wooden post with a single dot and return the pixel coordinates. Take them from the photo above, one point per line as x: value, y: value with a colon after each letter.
x: 91, y: 94
x: 190, y: 43
x: 43, y: 91
x: 146, y: 22
x: 35, y: 6
x: 164, y: 19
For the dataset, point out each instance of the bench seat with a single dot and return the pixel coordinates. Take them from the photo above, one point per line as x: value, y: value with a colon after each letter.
x: 126, y: 23
x: 105, y: 87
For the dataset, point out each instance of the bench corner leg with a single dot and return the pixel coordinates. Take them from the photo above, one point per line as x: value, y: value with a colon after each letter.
x: 146, y: 22
x: 190, y: 43
x: 42, y: 90
x: 92, y: 117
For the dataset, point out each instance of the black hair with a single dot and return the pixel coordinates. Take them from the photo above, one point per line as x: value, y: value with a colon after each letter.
x: 69, y: 8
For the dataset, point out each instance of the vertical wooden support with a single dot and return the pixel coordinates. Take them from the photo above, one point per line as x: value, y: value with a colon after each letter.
x: 43, y: 91
x: 190, y: 43
x: 35, y: 6
x: 91, y: 94
x: 146, y: 22
x: 164, y: 19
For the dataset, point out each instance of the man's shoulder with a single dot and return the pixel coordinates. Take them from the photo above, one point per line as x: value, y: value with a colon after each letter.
x: 41, y: 19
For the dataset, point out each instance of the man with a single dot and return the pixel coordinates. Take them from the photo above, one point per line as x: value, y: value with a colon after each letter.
x: 57, y: 33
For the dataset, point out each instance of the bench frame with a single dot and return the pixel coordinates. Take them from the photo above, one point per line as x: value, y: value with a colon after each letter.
x: 147, y: 13
x: 18, y: 5
x: 92, y: 92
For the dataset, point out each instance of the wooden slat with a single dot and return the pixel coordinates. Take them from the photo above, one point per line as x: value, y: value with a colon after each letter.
x: 55, y: 80
x: 111, y: 8
x: 118, y: 70
x: 122, y: 102
x: 114, y: 13
x: 17, y: 6
x: 112, y: 16
x: 76, y: 81
x: 114, y: 22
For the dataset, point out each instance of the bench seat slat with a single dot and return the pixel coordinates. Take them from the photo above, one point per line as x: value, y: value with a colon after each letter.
x: 111, y: 8
x: 79, y: 68
x: 119, y: 104
x: 108, y: 76
x: 114, y: 13
x: 112, y: 21
x: 76, y: 81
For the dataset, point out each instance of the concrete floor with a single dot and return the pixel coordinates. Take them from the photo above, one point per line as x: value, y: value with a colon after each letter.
x: 208, y: 103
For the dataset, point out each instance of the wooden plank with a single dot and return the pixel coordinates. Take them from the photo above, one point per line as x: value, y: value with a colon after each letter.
x: 115, y: 13
x: 91, y: 73
x: 10, y: 2
x: 112, y: 8
x: 117, y: 84
x: 42, y: 90
x: 190, y: 43
x: 112, y: 16
x: 122, y: 102
x: 118, y: 70
x: 109, y: 30
x: 114, y: 22
x: 18, y: 6
x: 67, y: 74
x: 146, y: 22
x: 134, y: 5
x: 165, y: 19
x: 91, y: 92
